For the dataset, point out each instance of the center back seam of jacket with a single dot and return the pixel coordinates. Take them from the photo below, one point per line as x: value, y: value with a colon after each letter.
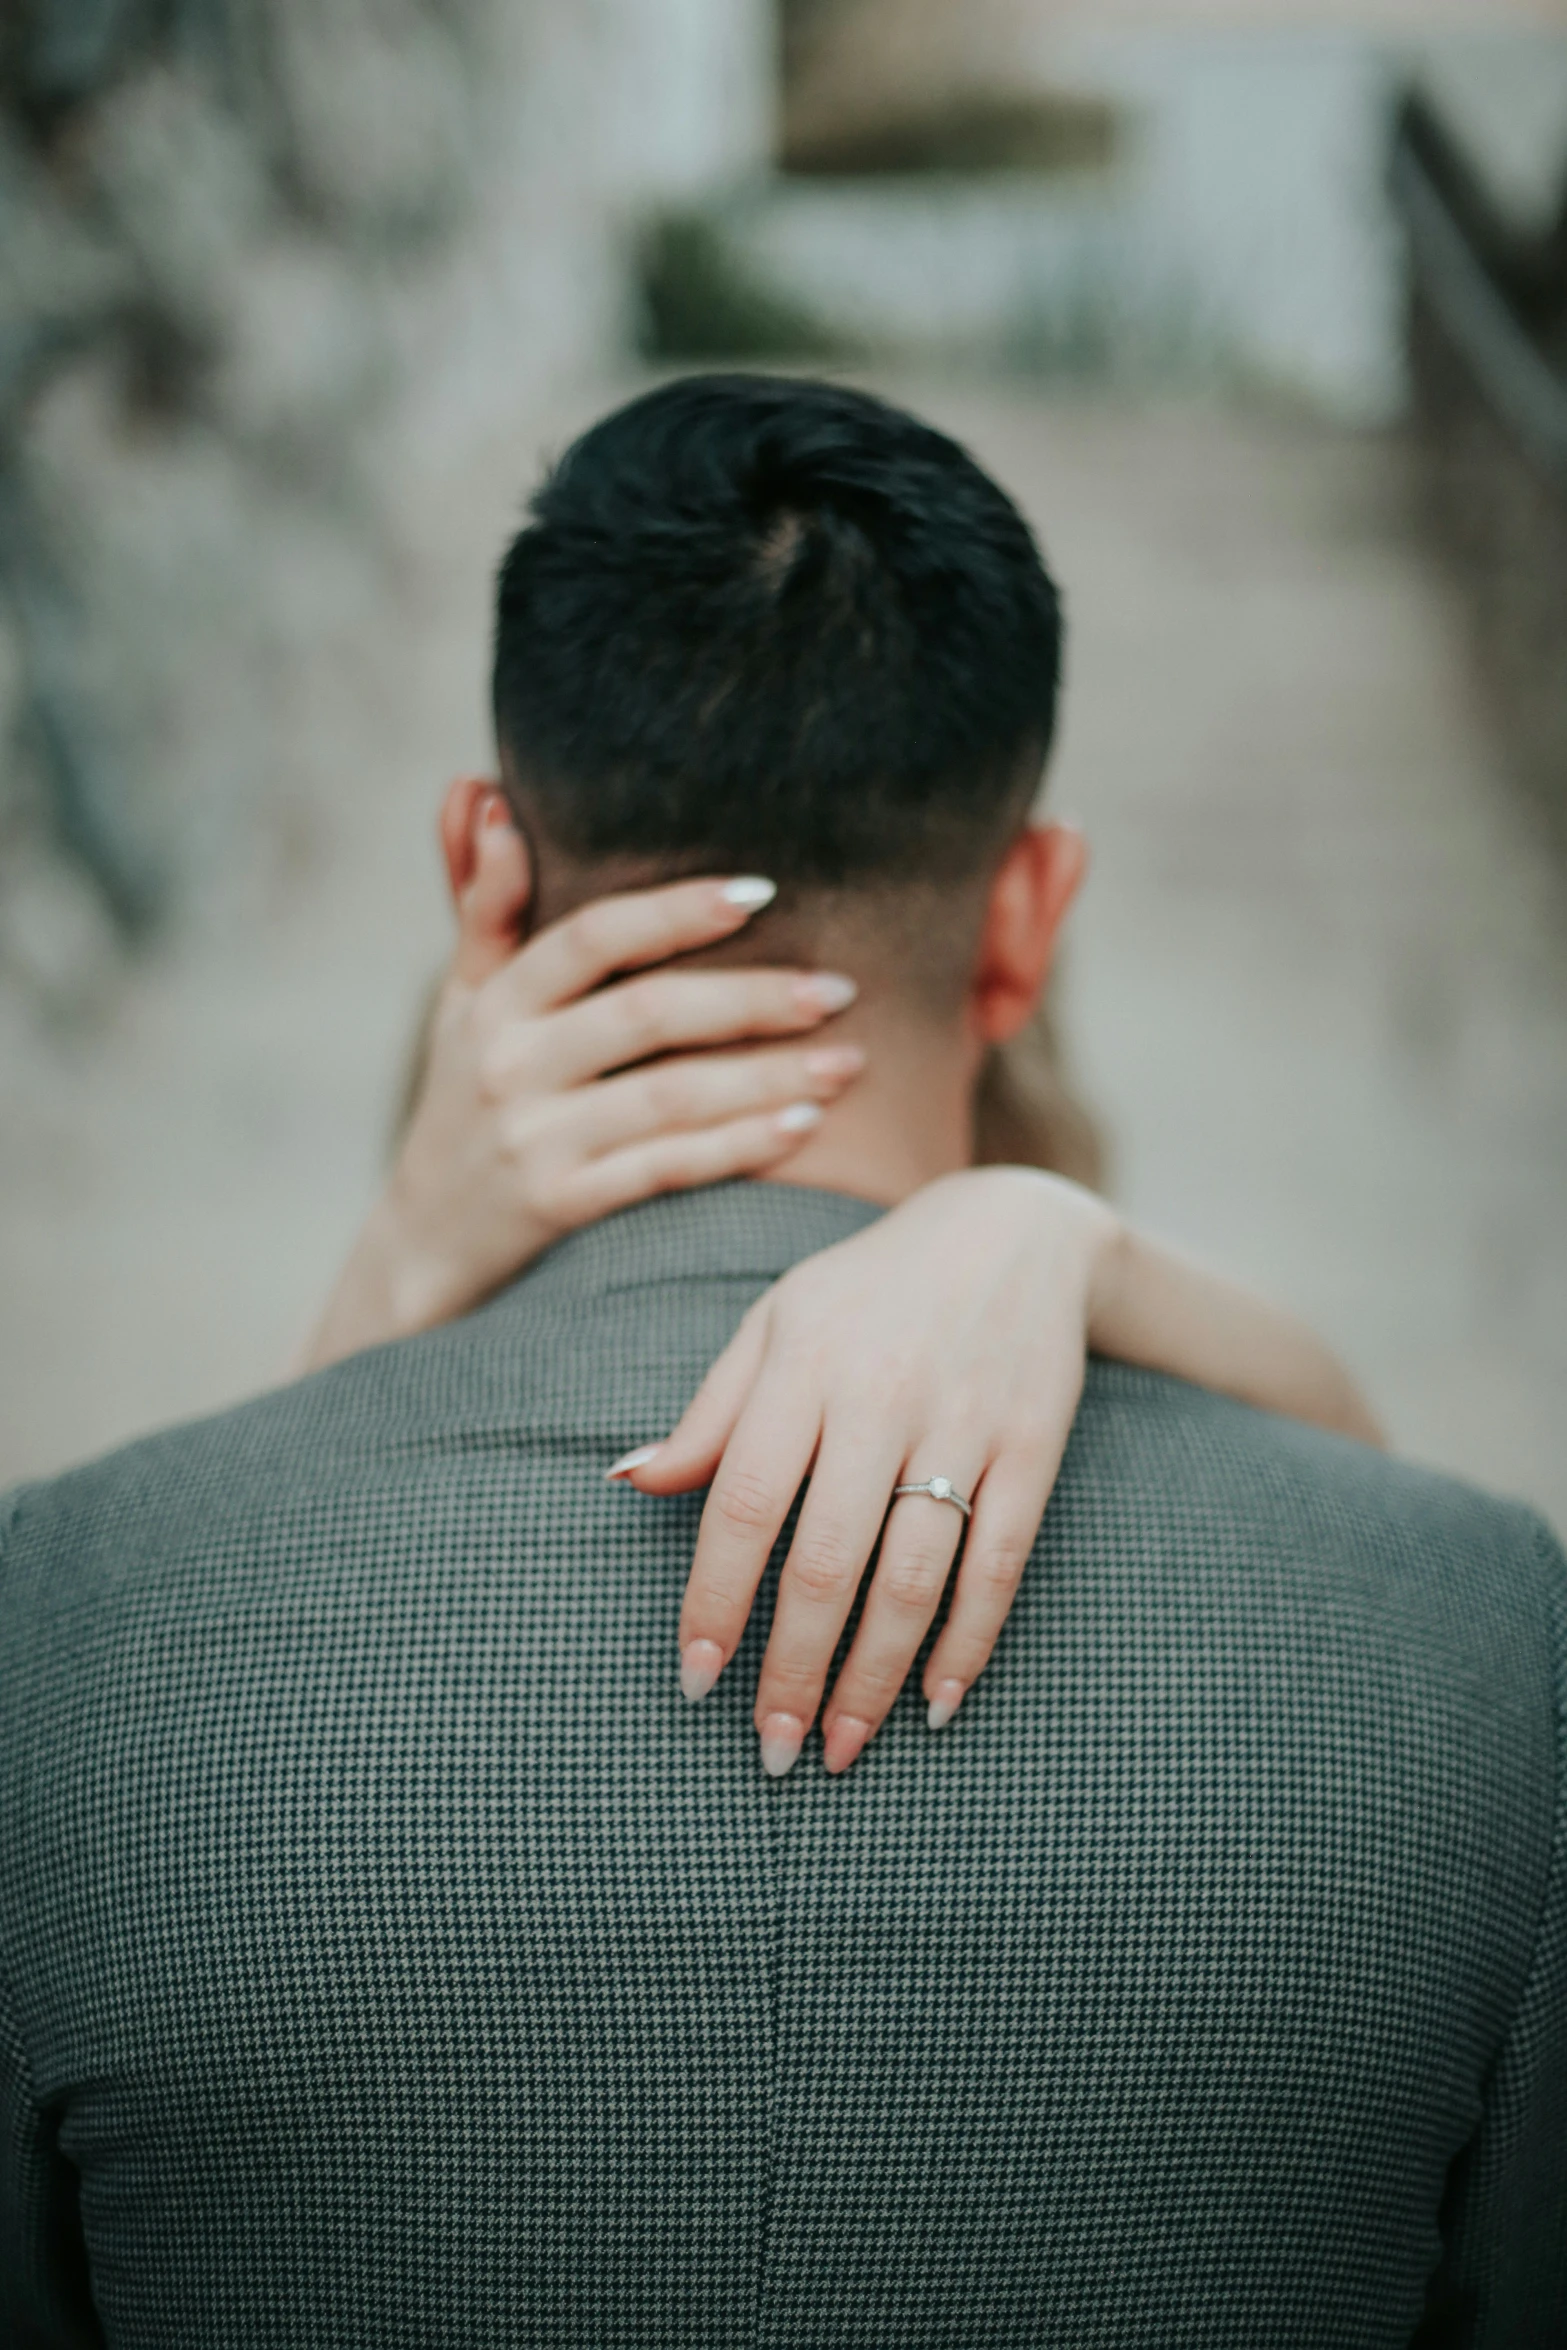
x: 771, y: 1840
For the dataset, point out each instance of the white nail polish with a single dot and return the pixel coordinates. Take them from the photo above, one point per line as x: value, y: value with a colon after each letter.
x: 782, y: 1739
x: 700, y: 1666
x: 750, y: 892
x: 942, y: 1708
x: 835, y: 1062
x: 829, y: 989
x: 633, y: 1460
x: 799, y: 1118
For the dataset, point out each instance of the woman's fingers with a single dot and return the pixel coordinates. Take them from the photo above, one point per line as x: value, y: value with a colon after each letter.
x: 683, y: 1162
x: 624, y: 932
x: 688, y: 1457
x: 765, y: 1463
x: 832, y: 1545
x: 917, y: 1550
x: 1007, y: 1513
x: 701, y: 1091
x: 668, y: 1012
x: 968, y: 1368
x: 690, y: 1454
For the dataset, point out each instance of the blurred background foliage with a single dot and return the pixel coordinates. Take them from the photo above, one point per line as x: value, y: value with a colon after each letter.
x: 232, y: 234
x: 203, y: 206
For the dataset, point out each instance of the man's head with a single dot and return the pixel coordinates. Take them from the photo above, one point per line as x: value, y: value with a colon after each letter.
x: 761, y: 625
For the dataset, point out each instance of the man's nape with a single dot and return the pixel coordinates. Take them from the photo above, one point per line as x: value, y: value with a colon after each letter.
x: 944, y: 971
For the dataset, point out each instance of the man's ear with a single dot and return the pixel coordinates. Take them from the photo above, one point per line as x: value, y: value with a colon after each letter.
x: 490, y: 874
x: 1038, y: 878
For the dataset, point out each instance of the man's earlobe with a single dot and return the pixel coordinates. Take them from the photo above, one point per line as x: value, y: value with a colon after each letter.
x: 489, y: 872
x: 1030, y: 897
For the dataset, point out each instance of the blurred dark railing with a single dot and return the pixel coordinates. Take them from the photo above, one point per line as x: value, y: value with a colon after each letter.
x: 1488, y: 364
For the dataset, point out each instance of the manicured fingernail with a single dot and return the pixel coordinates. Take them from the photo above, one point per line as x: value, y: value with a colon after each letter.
x: 749, y: 892
x: 633, y: 1460
x: 826, y: 991
x: 949, y: 1696
x: 844, y: 1741
x: 783, y: 1735
x: 799, y: 1118
x: 700, y: 1665
x: 835, y: 1061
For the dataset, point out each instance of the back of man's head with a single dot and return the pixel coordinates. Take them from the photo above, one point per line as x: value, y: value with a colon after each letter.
x: 765, y: 625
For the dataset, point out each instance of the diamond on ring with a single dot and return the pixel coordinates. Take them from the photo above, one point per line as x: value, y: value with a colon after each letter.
x: 938, y: 1489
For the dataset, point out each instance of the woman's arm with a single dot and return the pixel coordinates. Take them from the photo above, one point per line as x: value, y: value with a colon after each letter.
x: 949, y: 1339
x: 1149, y: 1305
x: 549, y: 1098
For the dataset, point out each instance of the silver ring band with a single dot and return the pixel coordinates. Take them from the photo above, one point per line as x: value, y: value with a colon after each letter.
x: 939, y: 1489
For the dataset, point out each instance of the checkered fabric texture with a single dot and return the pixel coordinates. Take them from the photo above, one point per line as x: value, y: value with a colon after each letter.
x: 389, y: 1957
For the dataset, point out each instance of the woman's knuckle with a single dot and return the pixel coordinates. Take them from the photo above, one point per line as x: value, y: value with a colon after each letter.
x: 823, y: 1562
x: 877, y: 1681
x: 642, y: 1014
x: 709, y: 1613
x: 1001, y: 1567
x: 913, y: 1578
x: 743, y: 1500
x: 818, y: 1576
x: 669, y: 1095
x: 596, y: 931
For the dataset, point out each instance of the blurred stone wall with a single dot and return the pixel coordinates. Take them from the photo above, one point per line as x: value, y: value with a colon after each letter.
x: 260, y: 260
x: 1155, y: 191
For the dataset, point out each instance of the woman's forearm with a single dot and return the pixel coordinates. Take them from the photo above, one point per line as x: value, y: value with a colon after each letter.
x: 1151, y: 1306
x: 388, y: 1288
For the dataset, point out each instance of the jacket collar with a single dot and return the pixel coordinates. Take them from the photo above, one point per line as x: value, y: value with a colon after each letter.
x: 725, y: 1231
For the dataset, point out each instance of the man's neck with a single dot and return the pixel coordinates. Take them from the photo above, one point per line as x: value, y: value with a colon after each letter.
x: 910, y: 1116
x: 908, y: 1119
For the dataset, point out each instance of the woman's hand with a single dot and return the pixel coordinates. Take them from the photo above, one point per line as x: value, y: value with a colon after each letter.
x: 551, y: 1099
x: 947, y: 1340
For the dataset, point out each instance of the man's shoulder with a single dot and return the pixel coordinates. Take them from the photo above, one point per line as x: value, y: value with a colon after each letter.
x: 559, y: 1356
x: 1198, y: 1481
x: 212, y: 1471
x: 1162, y: 1459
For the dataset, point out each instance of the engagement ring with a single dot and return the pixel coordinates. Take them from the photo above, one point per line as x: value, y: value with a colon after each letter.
x: 939, y: 1489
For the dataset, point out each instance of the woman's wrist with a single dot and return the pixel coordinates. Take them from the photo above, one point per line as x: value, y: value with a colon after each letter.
x: 392, y: 1285
x: 1154, y: 1308
x: 1113, y: 1270
x: 1084, y: 1244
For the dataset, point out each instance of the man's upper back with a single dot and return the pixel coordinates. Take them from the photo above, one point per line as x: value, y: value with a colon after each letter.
x: 389, y: 1956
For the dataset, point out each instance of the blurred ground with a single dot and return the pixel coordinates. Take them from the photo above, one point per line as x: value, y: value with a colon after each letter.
x: 1318, y: 988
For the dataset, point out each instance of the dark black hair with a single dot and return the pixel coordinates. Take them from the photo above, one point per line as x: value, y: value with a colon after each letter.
x: 761, y: 624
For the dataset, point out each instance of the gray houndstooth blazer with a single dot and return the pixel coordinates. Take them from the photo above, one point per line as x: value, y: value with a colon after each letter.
x: 389, y: 1957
